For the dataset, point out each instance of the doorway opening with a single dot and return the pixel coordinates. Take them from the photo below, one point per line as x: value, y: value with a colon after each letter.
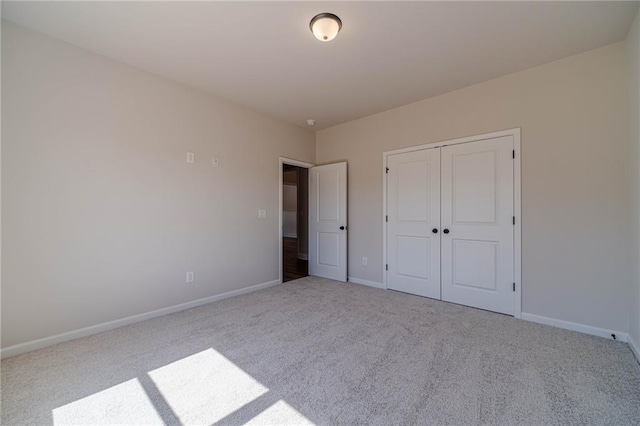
x: 295, y: 222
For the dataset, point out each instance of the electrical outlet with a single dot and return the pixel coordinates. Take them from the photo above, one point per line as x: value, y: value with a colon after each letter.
x: 191, y: 157
x: 190, y: 277
x: 262, y: 214
x: 215, y: 162
x: 364, y: 261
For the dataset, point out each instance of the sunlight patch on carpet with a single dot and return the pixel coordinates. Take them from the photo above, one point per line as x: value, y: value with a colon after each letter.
x: 280, y: 413
x: 205, y: 387
x: 116, y: 405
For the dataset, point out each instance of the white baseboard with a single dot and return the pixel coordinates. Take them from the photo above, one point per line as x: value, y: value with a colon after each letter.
x: 303, y: 256
x: 289, y: 235
x: 110, y: 325
x: 574, y: 326
x: 366, y: 282
x: 635, y: 348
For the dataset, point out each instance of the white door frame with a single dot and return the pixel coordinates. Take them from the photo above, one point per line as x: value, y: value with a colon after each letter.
x: 517, y: 234
x: 281, y: 162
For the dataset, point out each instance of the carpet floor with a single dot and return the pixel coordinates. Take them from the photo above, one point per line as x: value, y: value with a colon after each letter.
x: 317, y: 351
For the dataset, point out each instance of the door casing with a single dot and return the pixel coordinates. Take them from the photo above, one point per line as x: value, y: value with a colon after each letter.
x: 517, y: 234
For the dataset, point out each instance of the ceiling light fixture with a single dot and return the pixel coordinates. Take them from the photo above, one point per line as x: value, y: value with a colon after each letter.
x: 325, y: 26
x: 311, y: 122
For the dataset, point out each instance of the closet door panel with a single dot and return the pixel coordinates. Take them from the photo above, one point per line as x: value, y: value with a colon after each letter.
x: 413, y: 212
x: 477, y: 219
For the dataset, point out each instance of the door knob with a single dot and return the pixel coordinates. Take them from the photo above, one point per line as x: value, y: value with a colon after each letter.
x: 342, y: 228
x: 434, y: 230
x: 446, y: 231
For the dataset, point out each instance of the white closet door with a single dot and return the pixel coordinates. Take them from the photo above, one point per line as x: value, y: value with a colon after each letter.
x: 413, y: 228
x: 477, y: 223
x: 328, y: 221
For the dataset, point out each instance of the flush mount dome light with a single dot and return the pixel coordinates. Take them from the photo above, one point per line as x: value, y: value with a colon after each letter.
x: 325, y: 26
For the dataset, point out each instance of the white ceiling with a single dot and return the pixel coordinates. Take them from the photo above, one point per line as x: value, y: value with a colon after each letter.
x: 262, y: 54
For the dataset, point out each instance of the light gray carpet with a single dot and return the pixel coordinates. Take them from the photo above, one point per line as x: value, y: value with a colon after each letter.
x: 317, y: 351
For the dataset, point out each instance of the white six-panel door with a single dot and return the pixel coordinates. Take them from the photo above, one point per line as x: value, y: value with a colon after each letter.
x: 450, y: 232
x: 477, y: 212
x: 328, y: 221
x: 413, y: 222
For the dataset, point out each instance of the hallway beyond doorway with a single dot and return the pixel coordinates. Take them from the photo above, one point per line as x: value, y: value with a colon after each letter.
x: 293, y: 267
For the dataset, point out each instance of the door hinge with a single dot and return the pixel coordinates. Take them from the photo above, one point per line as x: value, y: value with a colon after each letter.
x: 514, y: 286
x: 386, y: 218
x: 386, y: 267
x: 386, y: 170
x: 513, y: 154
x: 514, y: 220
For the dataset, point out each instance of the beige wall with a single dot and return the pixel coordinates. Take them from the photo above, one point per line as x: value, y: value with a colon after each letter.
x: 101, y: 215
x: 633, y: 70
x: 575, y: 192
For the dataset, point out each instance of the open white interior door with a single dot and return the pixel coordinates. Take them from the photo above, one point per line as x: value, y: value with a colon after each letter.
x: 328, y: 221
